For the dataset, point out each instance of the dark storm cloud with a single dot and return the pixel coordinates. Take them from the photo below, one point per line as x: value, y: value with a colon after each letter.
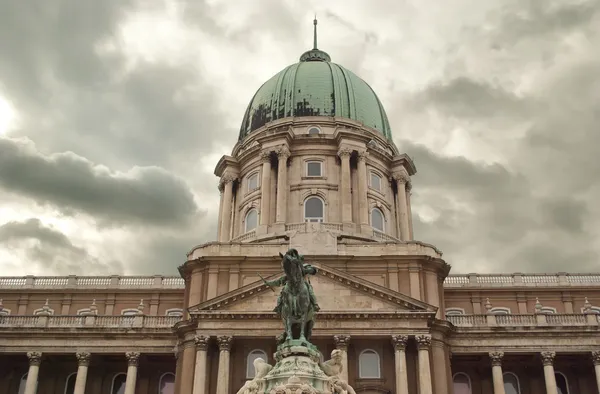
x: 49, y: 250
x: 143, y: 195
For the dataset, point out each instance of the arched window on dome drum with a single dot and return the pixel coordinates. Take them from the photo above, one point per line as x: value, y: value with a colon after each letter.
x: 118, y: 384
x: 314, y: 130
x: 313, y: 210
x: 562, y: 384
x: 511, y: 383
x: 70, y: 383
x: 166, y: 384
x: 368, y: 365
x: 253, y: 355
x: 377, y: 220
x: 375, y: 182
x: 461, y: 383
x: 251, y: 220
x: 22, y: 384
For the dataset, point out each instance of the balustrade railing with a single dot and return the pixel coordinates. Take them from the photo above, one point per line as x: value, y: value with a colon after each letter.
x: 92, y: 282
x: 524, y: 320
x: 521, y: 280
x: 90, y: 321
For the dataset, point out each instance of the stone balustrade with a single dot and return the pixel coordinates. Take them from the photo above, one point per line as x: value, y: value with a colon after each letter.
x: 89, y: 321
x: 521, y: 280
x: 528, y: 320
x: 92, y: 282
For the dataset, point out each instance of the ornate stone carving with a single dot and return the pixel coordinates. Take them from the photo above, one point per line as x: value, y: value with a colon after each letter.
x: 496, y: 358
x: 225, y: 342
x: 344, y: 152
x: 423, y: 341
x: 401, y: 177
x: 35, y: 358
x: 399, y: 342
x: 408, y: 186
x: 342, y: 342
x: 83, y: 358
x: 596, y: 357
x: 201, y: 342
x: 283, y: 152
x: 265, y: 156
x: 363, y: 155
x: 132, y: 358
x: 548, y: 357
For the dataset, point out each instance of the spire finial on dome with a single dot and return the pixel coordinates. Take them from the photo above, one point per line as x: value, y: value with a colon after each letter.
x: 315, y: 55
x: 315, y: 33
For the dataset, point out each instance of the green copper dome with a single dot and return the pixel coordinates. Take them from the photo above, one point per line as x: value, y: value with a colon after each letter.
x: 315, y: 87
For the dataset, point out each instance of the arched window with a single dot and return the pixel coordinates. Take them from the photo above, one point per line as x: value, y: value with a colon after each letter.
x: 130, y: 312
x: 166, y: 384
x: 252, y: 181
x: 70, y: 383
x: 500, y: 310
x: 562, y: 384
x: 253, y: 355
x: 548, y: 310
x: 454, y: 311
x: 118, y: 384
x: 368, y: 364
x: 461, y: 383
x: 22, y: 384
x: 4, y: 312
x: 313, y: 210
x: 174, y: 312
x: 314, y: 130
x: 377, y: 221
x: 251, y: 220
x: 375, y: 181
x: 511, y: 383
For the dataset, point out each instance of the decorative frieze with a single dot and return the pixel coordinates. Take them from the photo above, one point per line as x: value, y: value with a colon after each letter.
x: 83, y: 358
x: 399, y: 342
x: 201, y: 342
x: 548, y: 357
x: 423, y: 341
x: 225, y: 343
x: 132, y: 358
x: 496, y: 358
x: 35, y: 358
x: 341, y: 342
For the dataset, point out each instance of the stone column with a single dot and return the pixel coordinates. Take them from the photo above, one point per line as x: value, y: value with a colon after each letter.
x: 223, y: 374
x: 423, y: 345
x: 399, y: 342
x: 200, y: 368
x: 402, y: 179
x: 363, y: 203
x: 35, y: 359
x: 265, y: 188
x: 132, y: 364
x: 282, y: 185
x: 550, y: 379
x: 596, y: 360
x: 83, y: 361
x: 341, y: 343
x: 226, y: 208
x: 345, y: 191
x: 497, y: 377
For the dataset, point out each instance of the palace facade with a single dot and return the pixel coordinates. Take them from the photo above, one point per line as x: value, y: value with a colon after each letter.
x: 315, y: 168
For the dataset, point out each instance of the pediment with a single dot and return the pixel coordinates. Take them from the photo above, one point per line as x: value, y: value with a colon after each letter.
x: 336, y: 291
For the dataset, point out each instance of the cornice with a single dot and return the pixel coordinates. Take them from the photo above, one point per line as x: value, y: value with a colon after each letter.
x: 327, y: 315
x: 224, y: 163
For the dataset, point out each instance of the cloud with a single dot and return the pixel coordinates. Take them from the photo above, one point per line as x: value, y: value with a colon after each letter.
x: 142, y: 195
x: 49, y: 251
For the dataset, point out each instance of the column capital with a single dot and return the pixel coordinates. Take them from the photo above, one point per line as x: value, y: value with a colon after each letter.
x: 83, y: 358
x: 283, y: 152
x: 548, y: 357
x: 423, y: 341
x: 401, y: 177
x: 496, y: 358
x: 363, y: 155
x: 341, y: 342
x: 399, y: 342
x: 344, y: 152
x: 408, y: 186
x: 265, y: 156
x: 132, y: 358
x: 225, y: 342
x: 596, y: 357
x: 35, y: 358
x: 201, y: 342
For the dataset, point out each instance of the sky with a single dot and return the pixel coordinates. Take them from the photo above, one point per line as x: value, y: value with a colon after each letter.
x: 114, y: 113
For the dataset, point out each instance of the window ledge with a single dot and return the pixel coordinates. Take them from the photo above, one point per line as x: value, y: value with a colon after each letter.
x: 306, y: 177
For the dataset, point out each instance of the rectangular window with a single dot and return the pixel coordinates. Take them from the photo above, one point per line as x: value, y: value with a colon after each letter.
x: 252, y: 182
x: 313, y: 168
x: 375, y: 181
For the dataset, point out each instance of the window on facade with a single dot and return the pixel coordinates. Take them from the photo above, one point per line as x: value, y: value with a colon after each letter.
x: 562, y: 385
x: 368, y: 364
x: 548, y: 310
x: 251, y: 220
x: 454, y: 311
x: 4, y: 312
x: 250, y: 362
x: 313, y: 168
x: 174, y: 312
x: 377, y: 221
x: 253, y: 182
x: 511, y: 383
x: 461, y: 383
x: 118, y: 384
x: 22, y: 384
x: 314, y: 130
x: 166, y: 384
x: 595, y: 310
x: 313, y: 210
x: 70, y: 383
x: 500, y: 311
x: 375, y: 181
x: 129, y: 312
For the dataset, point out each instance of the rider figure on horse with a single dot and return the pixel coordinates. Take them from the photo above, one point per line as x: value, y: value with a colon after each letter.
x: 307, y: 269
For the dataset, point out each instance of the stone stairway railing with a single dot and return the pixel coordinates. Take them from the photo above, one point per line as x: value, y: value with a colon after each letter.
x: 535, y: 320
x: 89, y: 321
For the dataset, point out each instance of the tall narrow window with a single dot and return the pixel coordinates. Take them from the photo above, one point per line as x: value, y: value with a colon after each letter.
x: 253, y: 182
x: 251, y: 220
x: 377, y: 221
x: 313, y: 168
x: 166, y: 384
x: 461, y: 383
x: 313, y: 210
x: 368, y: 364
x: 375, y: 182
x: 562, y: 384
x: 511, y: 383
x: 250, y: 362
x: 22, y: 384
x: 70, y: 383
x: 118, y: 384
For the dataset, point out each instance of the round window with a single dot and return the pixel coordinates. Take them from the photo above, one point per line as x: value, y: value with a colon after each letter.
x: 314, y: 130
